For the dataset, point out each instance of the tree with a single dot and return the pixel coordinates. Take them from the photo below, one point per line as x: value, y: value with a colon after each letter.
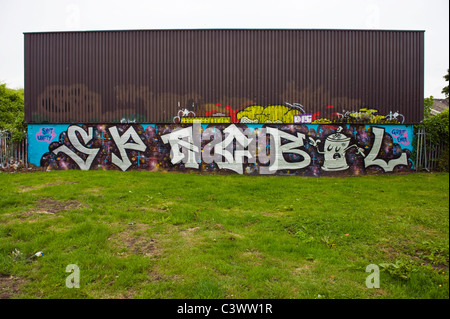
x: 428, y: 105
x: 445, y: 89
x: 12, y: 112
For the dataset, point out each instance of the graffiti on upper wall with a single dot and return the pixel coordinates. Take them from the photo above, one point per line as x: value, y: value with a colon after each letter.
x: 64, y: 99
x: 297, y: 149
x: 285, y: 114
x: 133, y: 103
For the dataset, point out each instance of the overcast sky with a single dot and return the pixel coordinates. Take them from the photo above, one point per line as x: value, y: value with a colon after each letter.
x: 18, y: 16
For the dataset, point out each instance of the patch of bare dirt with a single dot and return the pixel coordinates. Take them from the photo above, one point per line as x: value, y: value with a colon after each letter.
x: 10, y: 286
x: 49, y: 206
x: 53, y: 206
x: 46, y: 207
x: 189, y: 231
x: 36, y: 187
x: 253, y: 256
x: 136, y: 241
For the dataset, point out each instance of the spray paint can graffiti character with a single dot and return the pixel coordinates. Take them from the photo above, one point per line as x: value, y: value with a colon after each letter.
x: 334, y: 150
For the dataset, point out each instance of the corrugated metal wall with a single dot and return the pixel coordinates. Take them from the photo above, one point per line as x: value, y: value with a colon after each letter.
x: 148, y: 76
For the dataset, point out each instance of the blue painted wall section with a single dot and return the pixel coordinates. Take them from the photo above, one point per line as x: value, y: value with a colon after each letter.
x: 266, y: 149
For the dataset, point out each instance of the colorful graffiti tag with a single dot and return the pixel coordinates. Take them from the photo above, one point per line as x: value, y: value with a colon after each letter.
x: 283, y: 114
x: 297, y: 149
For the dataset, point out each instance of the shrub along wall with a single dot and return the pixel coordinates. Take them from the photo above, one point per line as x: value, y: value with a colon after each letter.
x: 437, y: 135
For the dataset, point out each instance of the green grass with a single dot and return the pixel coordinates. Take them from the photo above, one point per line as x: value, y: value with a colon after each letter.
x: 168, y: 235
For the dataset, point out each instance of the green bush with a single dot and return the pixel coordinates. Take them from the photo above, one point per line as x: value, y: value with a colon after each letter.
x: 443, y: 160
x: 436, y: 128
x: 12, y: 112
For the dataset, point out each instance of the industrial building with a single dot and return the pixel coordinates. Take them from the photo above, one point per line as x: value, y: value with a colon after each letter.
x: 247, y: 101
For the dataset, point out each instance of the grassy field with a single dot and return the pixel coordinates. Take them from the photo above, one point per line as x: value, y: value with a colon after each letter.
x: 168, y: 235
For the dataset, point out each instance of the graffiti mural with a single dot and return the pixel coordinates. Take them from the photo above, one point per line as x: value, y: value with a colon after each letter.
x: 289, y: 113
x: 294, y: 149
x: 334, y: 149
x: 269, y: 114
x: 46, y: 134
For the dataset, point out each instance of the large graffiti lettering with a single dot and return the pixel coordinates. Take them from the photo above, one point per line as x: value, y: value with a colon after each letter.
x: 278, y: 151
x: 123, y: 144
x: 233, y: 154
x: 370, y: 160
x: 73, y: 139
x: 294, y: 149
x: 182, y: 147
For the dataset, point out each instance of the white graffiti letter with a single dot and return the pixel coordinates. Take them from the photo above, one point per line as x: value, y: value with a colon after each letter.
x: 182, y: 147
x: 371, y: 158
x: 123, y: 144
x: 216, y: 134
x: 277, y: 161
x: 86, y: 137
x: 225, y: 148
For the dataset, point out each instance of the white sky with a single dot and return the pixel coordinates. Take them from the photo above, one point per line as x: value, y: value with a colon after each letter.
x: 18, y: 16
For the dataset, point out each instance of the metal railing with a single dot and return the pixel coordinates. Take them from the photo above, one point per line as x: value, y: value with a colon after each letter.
x: 427, y: 153
x: 12, y: 154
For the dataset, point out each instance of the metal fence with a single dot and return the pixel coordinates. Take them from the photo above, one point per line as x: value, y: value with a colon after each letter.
x: 427, y: 153
x: 12, y: 154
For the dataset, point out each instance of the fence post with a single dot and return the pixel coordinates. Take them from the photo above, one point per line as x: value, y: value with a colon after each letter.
x: 419, y: 149
x: 427, y: 154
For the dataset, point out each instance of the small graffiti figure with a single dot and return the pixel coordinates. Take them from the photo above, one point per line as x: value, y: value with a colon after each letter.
x: 296, y: 106
x: 183, y: 113
x: 336, y: 145
x: 395, y: 117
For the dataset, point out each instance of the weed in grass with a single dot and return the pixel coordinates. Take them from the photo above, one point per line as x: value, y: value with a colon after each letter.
x: 328, y: 242
x: 435, y: 254
x: 303, y: 236
x: 400, y: 269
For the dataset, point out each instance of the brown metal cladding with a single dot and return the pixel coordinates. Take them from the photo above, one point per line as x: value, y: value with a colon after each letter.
x: 147, y: 76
